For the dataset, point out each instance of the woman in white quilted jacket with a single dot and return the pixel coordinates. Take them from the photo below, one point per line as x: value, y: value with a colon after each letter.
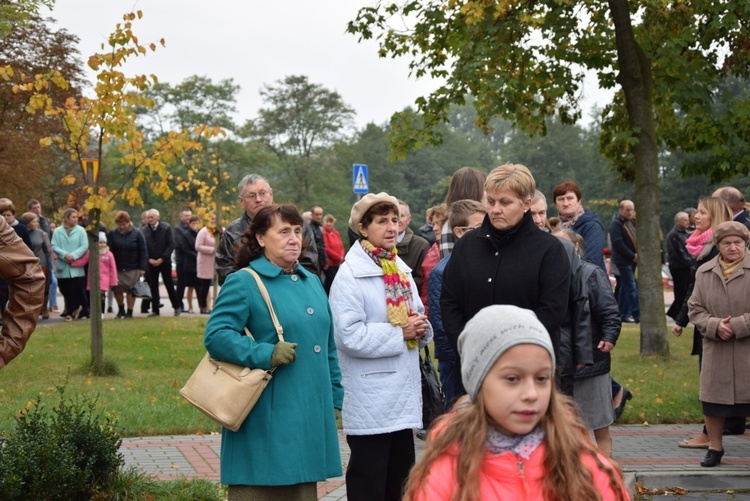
x: 379, y: 326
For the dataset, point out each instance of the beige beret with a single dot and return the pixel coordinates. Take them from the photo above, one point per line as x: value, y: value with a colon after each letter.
x: 360, y: 208
x: 731, y: 228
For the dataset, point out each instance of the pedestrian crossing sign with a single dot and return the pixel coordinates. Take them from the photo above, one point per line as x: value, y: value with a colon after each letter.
x: 360, y: 179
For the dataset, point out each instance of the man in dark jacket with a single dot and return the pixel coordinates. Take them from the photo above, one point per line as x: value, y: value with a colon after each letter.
x: 412, y: 248
x: 680, y: 261
x: 160, y: 245
x: 183, y: 251
x: 316, y: 225
x: 625, y: 256
x: 736, y: 202
x: 255, y: 193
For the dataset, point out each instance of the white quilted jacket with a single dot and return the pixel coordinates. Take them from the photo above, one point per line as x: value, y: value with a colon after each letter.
x: 382, y: 383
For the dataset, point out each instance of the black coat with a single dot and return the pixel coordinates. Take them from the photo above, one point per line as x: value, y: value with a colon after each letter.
x: 605, y: 319
x: 159, y: 242
x: 129, y: 249
x: 184, y: 246
x: 709, y: 252
x: 528, y: 269
x: 623, y: 247
x: 677, y: 254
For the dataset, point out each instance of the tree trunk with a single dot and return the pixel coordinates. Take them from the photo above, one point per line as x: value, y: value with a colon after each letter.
x: 637, y: 83
x: 95, y: 294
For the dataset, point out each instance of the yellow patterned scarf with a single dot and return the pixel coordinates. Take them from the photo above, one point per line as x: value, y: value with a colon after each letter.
x: 398, y: 294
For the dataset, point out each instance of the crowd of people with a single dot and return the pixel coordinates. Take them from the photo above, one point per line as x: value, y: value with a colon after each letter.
x: 520, y: 308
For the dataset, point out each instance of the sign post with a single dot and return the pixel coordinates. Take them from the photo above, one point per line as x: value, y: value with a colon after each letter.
x: 360, y: 180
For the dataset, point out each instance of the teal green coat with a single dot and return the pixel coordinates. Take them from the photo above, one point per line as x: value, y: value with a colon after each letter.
x: 290, y: 436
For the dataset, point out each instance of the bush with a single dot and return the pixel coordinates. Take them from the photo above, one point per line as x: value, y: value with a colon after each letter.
x: 70, y: 452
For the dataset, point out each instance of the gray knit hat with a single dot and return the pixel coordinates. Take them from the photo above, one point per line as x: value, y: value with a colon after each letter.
x: 360, y: 208
x: 492, y: 332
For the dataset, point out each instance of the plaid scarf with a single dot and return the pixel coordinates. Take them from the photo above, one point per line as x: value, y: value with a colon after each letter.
x: 398, y: 294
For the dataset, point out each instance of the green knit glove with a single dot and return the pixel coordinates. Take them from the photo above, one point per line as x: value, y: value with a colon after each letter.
x: 283, y: 353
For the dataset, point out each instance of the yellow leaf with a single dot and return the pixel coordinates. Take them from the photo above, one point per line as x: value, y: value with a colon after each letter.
x: 68, y: 180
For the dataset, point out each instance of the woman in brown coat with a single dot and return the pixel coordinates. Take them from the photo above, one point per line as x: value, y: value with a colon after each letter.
x: 720, y: 309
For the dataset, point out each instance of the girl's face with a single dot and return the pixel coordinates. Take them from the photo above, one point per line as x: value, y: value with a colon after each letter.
x: 517, y: 389
x: 702, y: 219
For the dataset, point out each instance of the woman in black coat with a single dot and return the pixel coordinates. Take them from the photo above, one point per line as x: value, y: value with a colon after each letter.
x: 507, y: 260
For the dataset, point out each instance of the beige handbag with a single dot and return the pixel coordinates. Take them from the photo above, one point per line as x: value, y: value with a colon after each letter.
x: 227, y: 392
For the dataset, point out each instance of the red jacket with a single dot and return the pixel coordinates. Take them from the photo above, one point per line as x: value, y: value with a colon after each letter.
x: 507, y: 476
x: 334, y: 246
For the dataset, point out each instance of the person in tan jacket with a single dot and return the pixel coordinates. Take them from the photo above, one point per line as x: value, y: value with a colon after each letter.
x: 20, y: 269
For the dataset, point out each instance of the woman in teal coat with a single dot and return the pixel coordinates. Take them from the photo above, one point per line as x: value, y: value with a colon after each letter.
x: 70, y: 243
x: 289, y: 441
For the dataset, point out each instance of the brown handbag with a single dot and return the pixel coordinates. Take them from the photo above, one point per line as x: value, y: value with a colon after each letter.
x: 227, y: 392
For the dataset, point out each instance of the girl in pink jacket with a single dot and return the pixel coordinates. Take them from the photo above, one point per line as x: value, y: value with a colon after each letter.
x: 515, y: 436
x: 107, y: 268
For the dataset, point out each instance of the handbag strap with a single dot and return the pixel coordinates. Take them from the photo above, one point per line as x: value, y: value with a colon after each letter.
x: 267, y: 299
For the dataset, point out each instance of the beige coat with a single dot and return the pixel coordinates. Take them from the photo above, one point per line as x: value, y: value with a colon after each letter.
x: 725, y: 375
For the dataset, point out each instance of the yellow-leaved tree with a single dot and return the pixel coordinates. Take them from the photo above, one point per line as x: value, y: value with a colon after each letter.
x: 107, y: 119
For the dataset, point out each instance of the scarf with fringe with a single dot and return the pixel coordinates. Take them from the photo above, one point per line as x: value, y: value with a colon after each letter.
x: 568, y: 222
x: 697, y: 241
x: 398, y: 294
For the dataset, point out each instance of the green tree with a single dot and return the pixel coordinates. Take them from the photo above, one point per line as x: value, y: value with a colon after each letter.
x: 14, y: 13
x: 109, y: 119
x: 301, y: 119
x: 524, y: 61
x: 30, y: 48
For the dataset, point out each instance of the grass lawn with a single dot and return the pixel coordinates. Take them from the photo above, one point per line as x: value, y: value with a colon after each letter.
x: 665, y: 389
x: 155, y: 356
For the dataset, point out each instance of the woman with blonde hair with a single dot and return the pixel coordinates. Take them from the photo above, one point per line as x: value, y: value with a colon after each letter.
x: 506, y: 260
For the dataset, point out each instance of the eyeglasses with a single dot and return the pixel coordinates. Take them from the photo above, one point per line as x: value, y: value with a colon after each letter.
x: 469, y: 228
x: 259, y: 195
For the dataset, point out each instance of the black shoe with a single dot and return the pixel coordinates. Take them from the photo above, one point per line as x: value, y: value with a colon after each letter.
x: 713, y: 458
x: 733, y: 431
x: 626, y: 395
x: 120, y: 312
x: 110, y: 310
x: 154, y: 314
x: 177, y: 311
x: 129, y: 314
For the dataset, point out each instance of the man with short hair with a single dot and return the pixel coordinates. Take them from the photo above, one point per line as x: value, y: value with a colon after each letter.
x: 36, y: 207
x: 412, y: 248
x: 691, y: 211
x: 183, y: 251
x: 624, y: 255
x: 539, y: 210
x: 316, y: 224
x: 736, y: 202
x: 680, y: 261
x: 159, y: 246
x: 254, y: 194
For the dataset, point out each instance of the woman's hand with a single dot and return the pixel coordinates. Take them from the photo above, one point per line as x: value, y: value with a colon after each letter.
x: 725, y: 330
x: 283, y: 353
x: 676, y: 330
x: 417, y: 326
x: 69, y: 258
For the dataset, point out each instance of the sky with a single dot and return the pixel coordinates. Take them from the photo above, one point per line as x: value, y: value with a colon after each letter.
x: 255, y: 43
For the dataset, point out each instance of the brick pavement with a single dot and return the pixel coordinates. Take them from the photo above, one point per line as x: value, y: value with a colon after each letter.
x: 648, y: 454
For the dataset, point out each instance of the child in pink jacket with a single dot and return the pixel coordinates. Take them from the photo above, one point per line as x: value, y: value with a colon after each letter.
x: 515, y: 436
x: 107, y: 268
